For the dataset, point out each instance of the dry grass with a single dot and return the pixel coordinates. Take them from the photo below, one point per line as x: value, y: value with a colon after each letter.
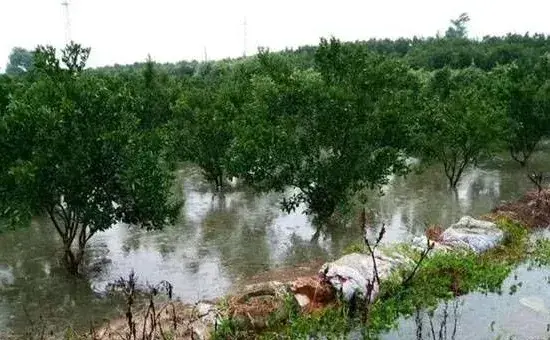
x: 434, y: 232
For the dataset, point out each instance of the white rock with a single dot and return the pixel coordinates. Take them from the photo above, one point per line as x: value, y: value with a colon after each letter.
x: 420, y: 243
x: 207, y: 315
x: 302, y: 299
x: 476, y: 235
x: 352, y: 273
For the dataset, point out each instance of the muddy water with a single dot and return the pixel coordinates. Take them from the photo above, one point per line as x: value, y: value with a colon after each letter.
x: 220, y: 241
x: 520, y: 311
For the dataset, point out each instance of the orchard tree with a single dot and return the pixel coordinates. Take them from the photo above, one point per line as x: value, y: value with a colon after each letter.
x: 527, y: 94
x: 155, y: 95
x: 6, y: 87
x: 329, y: 131
x: 461, y: 119
x: 204, y: 116
x: 73, y: 150
x: 20, y: 61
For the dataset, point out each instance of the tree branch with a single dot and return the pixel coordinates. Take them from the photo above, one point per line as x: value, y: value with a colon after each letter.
x: 54, y: 221
x: 422, y: 258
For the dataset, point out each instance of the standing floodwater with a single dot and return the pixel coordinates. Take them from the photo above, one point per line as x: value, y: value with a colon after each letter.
x: 221, y: 240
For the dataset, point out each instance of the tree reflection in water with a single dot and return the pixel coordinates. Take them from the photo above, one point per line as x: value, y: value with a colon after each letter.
x: 440, y: 324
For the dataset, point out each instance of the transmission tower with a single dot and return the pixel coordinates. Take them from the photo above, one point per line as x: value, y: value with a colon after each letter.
x: 65, y: 5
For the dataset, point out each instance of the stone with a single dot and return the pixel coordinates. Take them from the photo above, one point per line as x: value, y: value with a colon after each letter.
x: 420, y: 243
x: 314, y: 288
x: 352, y: 273
x: 258, y: 305
x: 476, y: 235
x: 302, y: 299
x: 271, y: 288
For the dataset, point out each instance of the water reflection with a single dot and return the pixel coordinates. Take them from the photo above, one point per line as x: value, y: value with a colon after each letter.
x: 222, y: 239
x: 37, y: 286
x: 409, y: 203
x: 439, y: 325
x: 520, y: 311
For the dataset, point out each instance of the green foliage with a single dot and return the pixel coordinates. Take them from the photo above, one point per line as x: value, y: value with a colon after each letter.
x: 526, y: 91
x: 514, y: 246
x: 458, y: 28
x: 154, y: 97
x: 20, y: 61
x: 327, y: 121
x: 5, y: 89
x: 306, y: 128
x: 541, y: 253
x: 331, y: 322
x: 357, y: 247
x: 71, y: 149
x: 460, y: 120
x: 204, y: 115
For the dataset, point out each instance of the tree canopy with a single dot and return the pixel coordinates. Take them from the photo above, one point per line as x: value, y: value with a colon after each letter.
x: 328, y: 131
x: 92, y: 147
x: 526, y: 85
x: 20, y: 61
x: 72, y: 149
x: 461, y: 119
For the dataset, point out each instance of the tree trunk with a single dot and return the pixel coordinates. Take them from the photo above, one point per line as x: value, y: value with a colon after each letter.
x: 452, y: 184
x: 220, y: 182
x: 72, y: 260
x: 67, y: 225
x: 522, y: 161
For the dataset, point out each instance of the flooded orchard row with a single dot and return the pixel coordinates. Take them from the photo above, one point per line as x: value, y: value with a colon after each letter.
x: 223, y: 240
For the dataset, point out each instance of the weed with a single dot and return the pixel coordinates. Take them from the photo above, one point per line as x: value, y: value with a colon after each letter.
x: 541, y: 252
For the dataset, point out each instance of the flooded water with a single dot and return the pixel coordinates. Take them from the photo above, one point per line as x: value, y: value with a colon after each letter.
x: 521, y: 311
x: 220, y: 241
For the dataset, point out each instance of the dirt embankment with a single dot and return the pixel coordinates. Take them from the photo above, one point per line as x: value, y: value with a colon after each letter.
x: 531, y: 210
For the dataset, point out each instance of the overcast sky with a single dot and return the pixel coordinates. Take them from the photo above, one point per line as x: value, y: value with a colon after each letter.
x: 125, y: 31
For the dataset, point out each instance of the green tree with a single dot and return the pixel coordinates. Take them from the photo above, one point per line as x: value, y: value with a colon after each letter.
x: 20, y: 61
x: 329, y: 131
x: 6, y: 87
x: 204, y: 117
x: 155, y: 97
x: 71, y: 149
x: 527, y: 93
x: 461, y: 119
x: 458, y: 28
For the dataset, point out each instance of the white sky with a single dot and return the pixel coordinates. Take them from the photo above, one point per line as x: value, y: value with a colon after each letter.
x: 125, y: 31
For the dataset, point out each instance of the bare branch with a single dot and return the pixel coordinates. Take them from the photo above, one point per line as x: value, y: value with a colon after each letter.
x: 423, y: 256
x: 51, y: 213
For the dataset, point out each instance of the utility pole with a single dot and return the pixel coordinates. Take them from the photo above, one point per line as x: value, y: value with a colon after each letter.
x: 205, y: 55
x: 65, y: 5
